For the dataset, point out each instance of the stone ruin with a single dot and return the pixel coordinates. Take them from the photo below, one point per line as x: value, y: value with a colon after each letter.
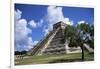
x: 53, y: 43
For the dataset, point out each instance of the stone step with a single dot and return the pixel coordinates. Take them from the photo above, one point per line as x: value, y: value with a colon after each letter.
x: 54, y: 46
x: 55, y: 49
x: 55, y: 52
x: 54, y: 40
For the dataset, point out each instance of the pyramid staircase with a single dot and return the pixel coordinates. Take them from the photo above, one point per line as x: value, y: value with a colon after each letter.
x: 53, y: 43
x: 43, y: 44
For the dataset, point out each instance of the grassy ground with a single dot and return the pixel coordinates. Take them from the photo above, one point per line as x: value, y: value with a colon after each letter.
x: 76, y: 57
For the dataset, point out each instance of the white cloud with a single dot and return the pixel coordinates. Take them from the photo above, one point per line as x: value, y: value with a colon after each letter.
x: 17, y: 14
x: 67, y: 21
x: 35, y: 42
x: 22, y: 41
x: 46, y: 31
x: 21, y: 32
x: 82, y: 21
x: 33, y: 23
x: 55, y: 14
x: 30, y: 43
x: 40, y: 23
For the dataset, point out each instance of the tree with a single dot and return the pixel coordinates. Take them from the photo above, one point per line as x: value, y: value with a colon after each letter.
x: 87, y: 32
x: 73, y: 36
x: 17, y: 53
x: 20, y: 52
x: 91, y: 41
x: 82, y: 30
x: 23, y: 52
x: 78, y: 35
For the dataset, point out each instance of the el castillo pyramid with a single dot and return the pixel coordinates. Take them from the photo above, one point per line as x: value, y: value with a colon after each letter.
x: 53, y: 43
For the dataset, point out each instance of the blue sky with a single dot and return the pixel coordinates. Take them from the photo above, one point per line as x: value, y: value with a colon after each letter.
x: 36, y: 21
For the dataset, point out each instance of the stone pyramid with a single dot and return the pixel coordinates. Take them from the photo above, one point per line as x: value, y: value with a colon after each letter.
x: 53, y: 43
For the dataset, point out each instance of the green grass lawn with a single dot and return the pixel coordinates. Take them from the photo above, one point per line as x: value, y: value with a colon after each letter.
x: 75, y: 57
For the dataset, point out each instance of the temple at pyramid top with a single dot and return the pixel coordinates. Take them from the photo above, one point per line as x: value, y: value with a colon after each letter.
x: 60, y: 24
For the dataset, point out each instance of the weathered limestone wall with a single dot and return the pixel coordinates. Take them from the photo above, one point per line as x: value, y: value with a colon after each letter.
x: 56, y: 46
